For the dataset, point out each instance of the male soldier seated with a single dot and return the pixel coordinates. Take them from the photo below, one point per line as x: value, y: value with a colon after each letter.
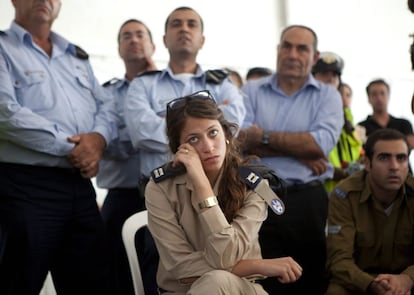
x: 371, y: 222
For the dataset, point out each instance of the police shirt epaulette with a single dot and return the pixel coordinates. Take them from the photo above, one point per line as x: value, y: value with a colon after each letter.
x: 148, y: 73
x: 342, y: 194
x: 275, y: 182
x: 80, y: 53
x: 110, y: 82
x: 255, y: 182
x: 167, y: 171
x: 250, y: 177
x: 216, y: 76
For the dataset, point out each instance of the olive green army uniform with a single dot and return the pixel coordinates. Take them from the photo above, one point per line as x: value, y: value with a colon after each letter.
x: 363, y: 240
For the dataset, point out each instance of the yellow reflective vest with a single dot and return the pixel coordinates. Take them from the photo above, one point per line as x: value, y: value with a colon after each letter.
x: 347, y: 150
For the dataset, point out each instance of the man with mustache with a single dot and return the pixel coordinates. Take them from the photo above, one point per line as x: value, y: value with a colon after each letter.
x: 371, y: 221
x: 293, y: 122
x: 55, y: 123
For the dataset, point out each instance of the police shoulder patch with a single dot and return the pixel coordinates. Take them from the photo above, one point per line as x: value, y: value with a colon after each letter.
x: 111, y: 82
x: 80, y: 53
x: 215, y: 76
x: 334, y: 229
x: 167, y: 171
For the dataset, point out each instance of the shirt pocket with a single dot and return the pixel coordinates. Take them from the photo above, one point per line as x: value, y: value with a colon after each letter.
x: 87, y: 95
x: 84, y: 83
x: 404, y: 243
x: 365, y: 248
x: 32, y: 91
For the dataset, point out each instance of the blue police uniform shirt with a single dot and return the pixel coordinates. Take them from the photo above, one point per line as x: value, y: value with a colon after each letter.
x: 315, y: 108
x: 119, y: 167
x: 44, y: 100
x: 145, y: 109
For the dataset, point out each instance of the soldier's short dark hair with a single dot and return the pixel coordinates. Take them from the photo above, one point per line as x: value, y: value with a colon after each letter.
x: 383, y: 134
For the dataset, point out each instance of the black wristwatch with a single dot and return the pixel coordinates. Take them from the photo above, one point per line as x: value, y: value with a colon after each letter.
x: 265, y: 137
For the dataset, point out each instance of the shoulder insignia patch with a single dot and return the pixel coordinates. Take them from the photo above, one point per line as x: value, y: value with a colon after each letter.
x: 334, y: 229
x: 275, y: 182
x: 215, y: 76
x: 110, y: 82
x: 80, y: 53
x: 166, y: 171
x: 340, y: 193
x: 254, y: 181
x: 148, y: 73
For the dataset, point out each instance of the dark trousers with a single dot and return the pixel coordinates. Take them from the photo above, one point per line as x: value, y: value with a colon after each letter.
x: 299, y: 233
x: 52, y: 223
x: 119, y: 204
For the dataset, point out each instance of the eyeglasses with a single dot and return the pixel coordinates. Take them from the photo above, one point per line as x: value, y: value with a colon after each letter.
x: 181, y: 101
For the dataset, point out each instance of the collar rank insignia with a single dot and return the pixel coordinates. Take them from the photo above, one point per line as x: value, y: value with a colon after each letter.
x: 167, y: 171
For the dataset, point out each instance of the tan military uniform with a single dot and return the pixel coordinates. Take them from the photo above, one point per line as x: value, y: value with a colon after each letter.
x: 193, y: 244
x: 363, y: 240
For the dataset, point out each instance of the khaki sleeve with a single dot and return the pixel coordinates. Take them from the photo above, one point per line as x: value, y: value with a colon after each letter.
x: 410, y: 272
x: 340, y: 246
x: 228, y: 243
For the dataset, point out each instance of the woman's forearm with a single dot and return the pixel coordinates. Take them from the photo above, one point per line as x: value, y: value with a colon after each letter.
x: 285, y: 269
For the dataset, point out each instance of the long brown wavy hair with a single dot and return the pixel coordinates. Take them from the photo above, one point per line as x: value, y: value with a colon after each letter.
x: 231, y: 188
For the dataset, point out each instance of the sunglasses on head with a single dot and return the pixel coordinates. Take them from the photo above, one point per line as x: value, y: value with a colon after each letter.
x: 181, y: 101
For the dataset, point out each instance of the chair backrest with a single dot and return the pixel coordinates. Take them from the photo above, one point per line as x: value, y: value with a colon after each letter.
x: 129, y: 229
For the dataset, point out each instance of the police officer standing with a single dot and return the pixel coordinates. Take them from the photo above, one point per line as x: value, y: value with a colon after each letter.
x: 119, y: 169
x: 371, y: 220
x: 55, y: 122
x: 148, y: 96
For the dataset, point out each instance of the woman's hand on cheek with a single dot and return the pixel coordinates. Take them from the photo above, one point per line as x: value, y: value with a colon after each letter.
x: 188, y: 156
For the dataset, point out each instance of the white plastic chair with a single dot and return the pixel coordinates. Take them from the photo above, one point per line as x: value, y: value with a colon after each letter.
x: 129, y: 229
x: 48, y: 287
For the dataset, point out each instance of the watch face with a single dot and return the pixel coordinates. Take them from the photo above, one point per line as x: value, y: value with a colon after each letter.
x: 265, y: 137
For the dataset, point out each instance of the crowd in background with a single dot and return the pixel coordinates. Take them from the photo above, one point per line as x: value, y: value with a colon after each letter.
x: 195, y: 147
